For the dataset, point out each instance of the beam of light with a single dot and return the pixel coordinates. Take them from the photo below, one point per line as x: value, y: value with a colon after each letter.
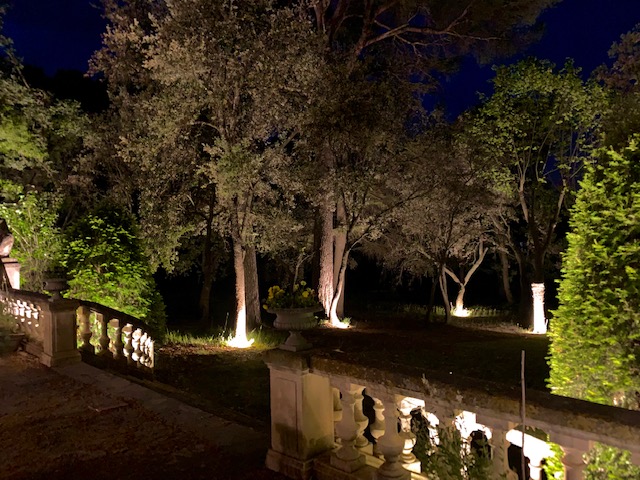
x: 240, y: 339
x: 539, y: 322
x: 460, y: 311
x: 338, y: 324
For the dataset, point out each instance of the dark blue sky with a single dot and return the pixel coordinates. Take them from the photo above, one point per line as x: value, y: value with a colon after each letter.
x: 62, y: 34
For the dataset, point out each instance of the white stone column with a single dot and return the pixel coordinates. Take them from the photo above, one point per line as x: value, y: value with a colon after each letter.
x: 347, y: 458
x: 391, y: 444
x: 539, y: 322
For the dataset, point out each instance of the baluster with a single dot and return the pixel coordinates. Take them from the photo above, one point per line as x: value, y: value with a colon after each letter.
x: 151, y: 353
x: 337, y: 412
x: 135, y: 343
x: 84, y: 315
x: 360, y: 418
x: 347, y: 458
x: 377, y: 427
x: 143, y: 350
x: 118, y: 343
x: 391, y: 444
x: 409, y: 460
x: 128, y: 343
x: 104, y: 335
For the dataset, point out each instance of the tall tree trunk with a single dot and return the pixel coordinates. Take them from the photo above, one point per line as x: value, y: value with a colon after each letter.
x: 460, y: 298
x: 251, y: 284
x: 344, y: 260
x: 432, y: 299
x: 504, y: 266
x: 327, y: 207
x: 445, y: 293
x: 340, y: 243
x: 240, y: 336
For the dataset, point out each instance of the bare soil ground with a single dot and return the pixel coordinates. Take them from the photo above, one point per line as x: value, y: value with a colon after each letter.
x: 55, y: 428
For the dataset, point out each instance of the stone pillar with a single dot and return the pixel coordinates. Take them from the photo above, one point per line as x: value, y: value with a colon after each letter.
x: 301, y: 414
x: 574, y: 450
x: 391, y: 444
x: 12, y: 267
x: 347, y: 458
x: 59, y: 340
x: 539, y: 322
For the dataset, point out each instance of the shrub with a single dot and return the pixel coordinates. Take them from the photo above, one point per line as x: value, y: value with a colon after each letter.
x: 104, y: 260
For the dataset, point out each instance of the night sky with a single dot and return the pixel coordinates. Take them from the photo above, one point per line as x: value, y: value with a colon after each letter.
x: 62, y: 34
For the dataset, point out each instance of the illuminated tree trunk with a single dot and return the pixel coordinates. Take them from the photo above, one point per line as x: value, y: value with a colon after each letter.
x: 240, y: 337
x: 464, y: 281
x: 326, y: 257
x: 333, y: 317
x: 252, y: 287
x: 340, y: 244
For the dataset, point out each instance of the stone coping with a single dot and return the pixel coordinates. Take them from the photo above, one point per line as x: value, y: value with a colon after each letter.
x: 557, y: 416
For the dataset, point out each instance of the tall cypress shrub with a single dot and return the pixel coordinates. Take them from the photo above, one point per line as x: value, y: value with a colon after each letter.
x: 595, y: 332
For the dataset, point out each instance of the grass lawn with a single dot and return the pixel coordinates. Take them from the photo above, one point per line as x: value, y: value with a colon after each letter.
x: 235, y: 383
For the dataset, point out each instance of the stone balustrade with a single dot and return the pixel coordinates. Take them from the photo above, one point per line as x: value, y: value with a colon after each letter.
x: 59, y: 331
x: 319, y: 428
x: 120, y: 337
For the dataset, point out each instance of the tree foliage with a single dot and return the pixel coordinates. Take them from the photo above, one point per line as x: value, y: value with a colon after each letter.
x: 595, y: 333
x: 32, y: 219
x: 106, y: 265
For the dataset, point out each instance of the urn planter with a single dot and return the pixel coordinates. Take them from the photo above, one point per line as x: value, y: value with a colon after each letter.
x: 295, y: 320
x: 56, y: 286
x: 9, y: 342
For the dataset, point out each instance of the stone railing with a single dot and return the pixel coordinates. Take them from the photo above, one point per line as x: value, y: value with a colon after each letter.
x: 120, y: 337
x: 55, y: 328
x: 319, y: 428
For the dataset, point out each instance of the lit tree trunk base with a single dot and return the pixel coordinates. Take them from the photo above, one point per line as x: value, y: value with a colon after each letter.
x: 539, y: 322
x: 240, y: 339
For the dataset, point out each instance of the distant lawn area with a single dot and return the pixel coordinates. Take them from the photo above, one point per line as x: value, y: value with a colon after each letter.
x: 235, y: 383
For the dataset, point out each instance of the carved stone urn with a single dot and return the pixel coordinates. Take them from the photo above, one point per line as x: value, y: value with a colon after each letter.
x: 295, y: 320
x: 56, y: 286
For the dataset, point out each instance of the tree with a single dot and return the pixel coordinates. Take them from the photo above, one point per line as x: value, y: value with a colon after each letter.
x: 400, y: 40
x: 446, y: 225
x: 541, y: 125
x: 595, y: 338
x: 215, y: 103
